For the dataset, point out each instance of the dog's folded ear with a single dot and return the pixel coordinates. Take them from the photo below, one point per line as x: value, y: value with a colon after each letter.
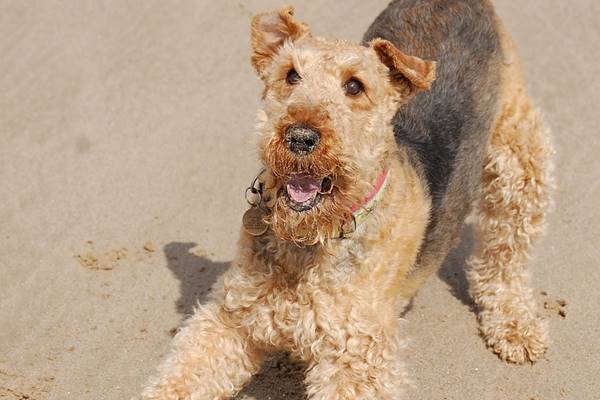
x: 269, y: 33
x: 409, y: 72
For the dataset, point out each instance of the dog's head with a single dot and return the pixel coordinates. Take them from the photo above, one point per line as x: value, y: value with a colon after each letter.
x: 325, y: 130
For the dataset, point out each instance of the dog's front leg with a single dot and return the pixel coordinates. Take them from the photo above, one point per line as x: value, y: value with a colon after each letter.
x: 209, y: 360
x: 363, y: 366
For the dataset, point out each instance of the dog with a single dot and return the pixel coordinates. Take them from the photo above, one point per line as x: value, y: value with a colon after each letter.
x: 374, y: 154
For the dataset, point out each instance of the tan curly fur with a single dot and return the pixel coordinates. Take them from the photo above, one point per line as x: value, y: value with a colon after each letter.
x: 278, y: 295
x: 511, y: 212
x: 332, y: 303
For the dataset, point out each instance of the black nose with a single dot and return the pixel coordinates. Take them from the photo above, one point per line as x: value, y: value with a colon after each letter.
x: 301, y: 139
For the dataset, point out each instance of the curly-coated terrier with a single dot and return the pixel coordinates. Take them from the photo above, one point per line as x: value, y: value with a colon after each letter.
x: 373, y: 156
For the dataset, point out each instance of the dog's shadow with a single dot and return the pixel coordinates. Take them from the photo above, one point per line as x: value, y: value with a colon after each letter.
x: 453, y: 269
x: 196, y: 275
x: 278, y: 378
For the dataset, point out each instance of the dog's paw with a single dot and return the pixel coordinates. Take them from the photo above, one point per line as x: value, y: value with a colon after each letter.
x: 161, y: 393
x: 516, y: 339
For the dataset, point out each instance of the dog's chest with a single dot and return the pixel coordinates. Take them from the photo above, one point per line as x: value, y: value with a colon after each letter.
x: 300, y: 306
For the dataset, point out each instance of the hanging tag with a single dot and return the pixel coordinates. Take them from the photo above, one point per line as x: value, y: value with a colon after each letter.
x: 253, y: 221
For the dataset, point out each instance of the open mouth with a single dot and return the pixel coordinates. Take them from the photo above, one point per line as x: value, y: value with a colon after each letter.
x: 304, y: 191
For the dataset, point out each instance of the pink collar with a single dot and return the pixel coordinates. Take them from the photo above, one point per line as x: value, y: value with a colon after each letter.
x: 375, y: 193
x: 360, y: 212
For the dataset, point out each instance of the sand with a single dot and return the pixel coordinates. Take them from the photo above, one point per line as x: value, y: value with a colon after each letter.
x: 125, y: 148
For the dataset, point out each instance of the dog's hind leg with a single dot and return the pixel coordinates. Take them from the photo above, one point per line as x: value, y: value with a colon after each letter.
x: 510, y: 212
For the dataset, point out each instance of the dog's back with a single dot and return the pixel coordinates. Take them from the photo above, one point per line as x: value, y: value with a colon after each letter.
x: 445, y: 129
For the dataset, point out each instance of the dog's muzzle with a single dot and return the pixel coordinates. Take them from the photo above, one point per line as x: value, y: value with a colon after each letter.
x: 301, y: 139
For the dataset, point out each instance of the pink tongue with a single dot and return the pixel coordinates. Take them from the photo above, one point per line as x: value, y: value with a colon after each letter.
x: 302, y: 188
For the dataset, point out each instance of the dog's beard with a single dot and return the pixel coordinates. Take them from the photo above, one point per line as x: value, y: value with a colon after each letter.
x: 322, y: 220
x: 311, y: 226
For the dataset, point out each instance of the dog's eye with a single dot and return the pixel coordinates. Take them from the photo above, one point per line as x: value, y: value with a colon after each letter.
x: 292, y: 77
x: 353, y: 87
